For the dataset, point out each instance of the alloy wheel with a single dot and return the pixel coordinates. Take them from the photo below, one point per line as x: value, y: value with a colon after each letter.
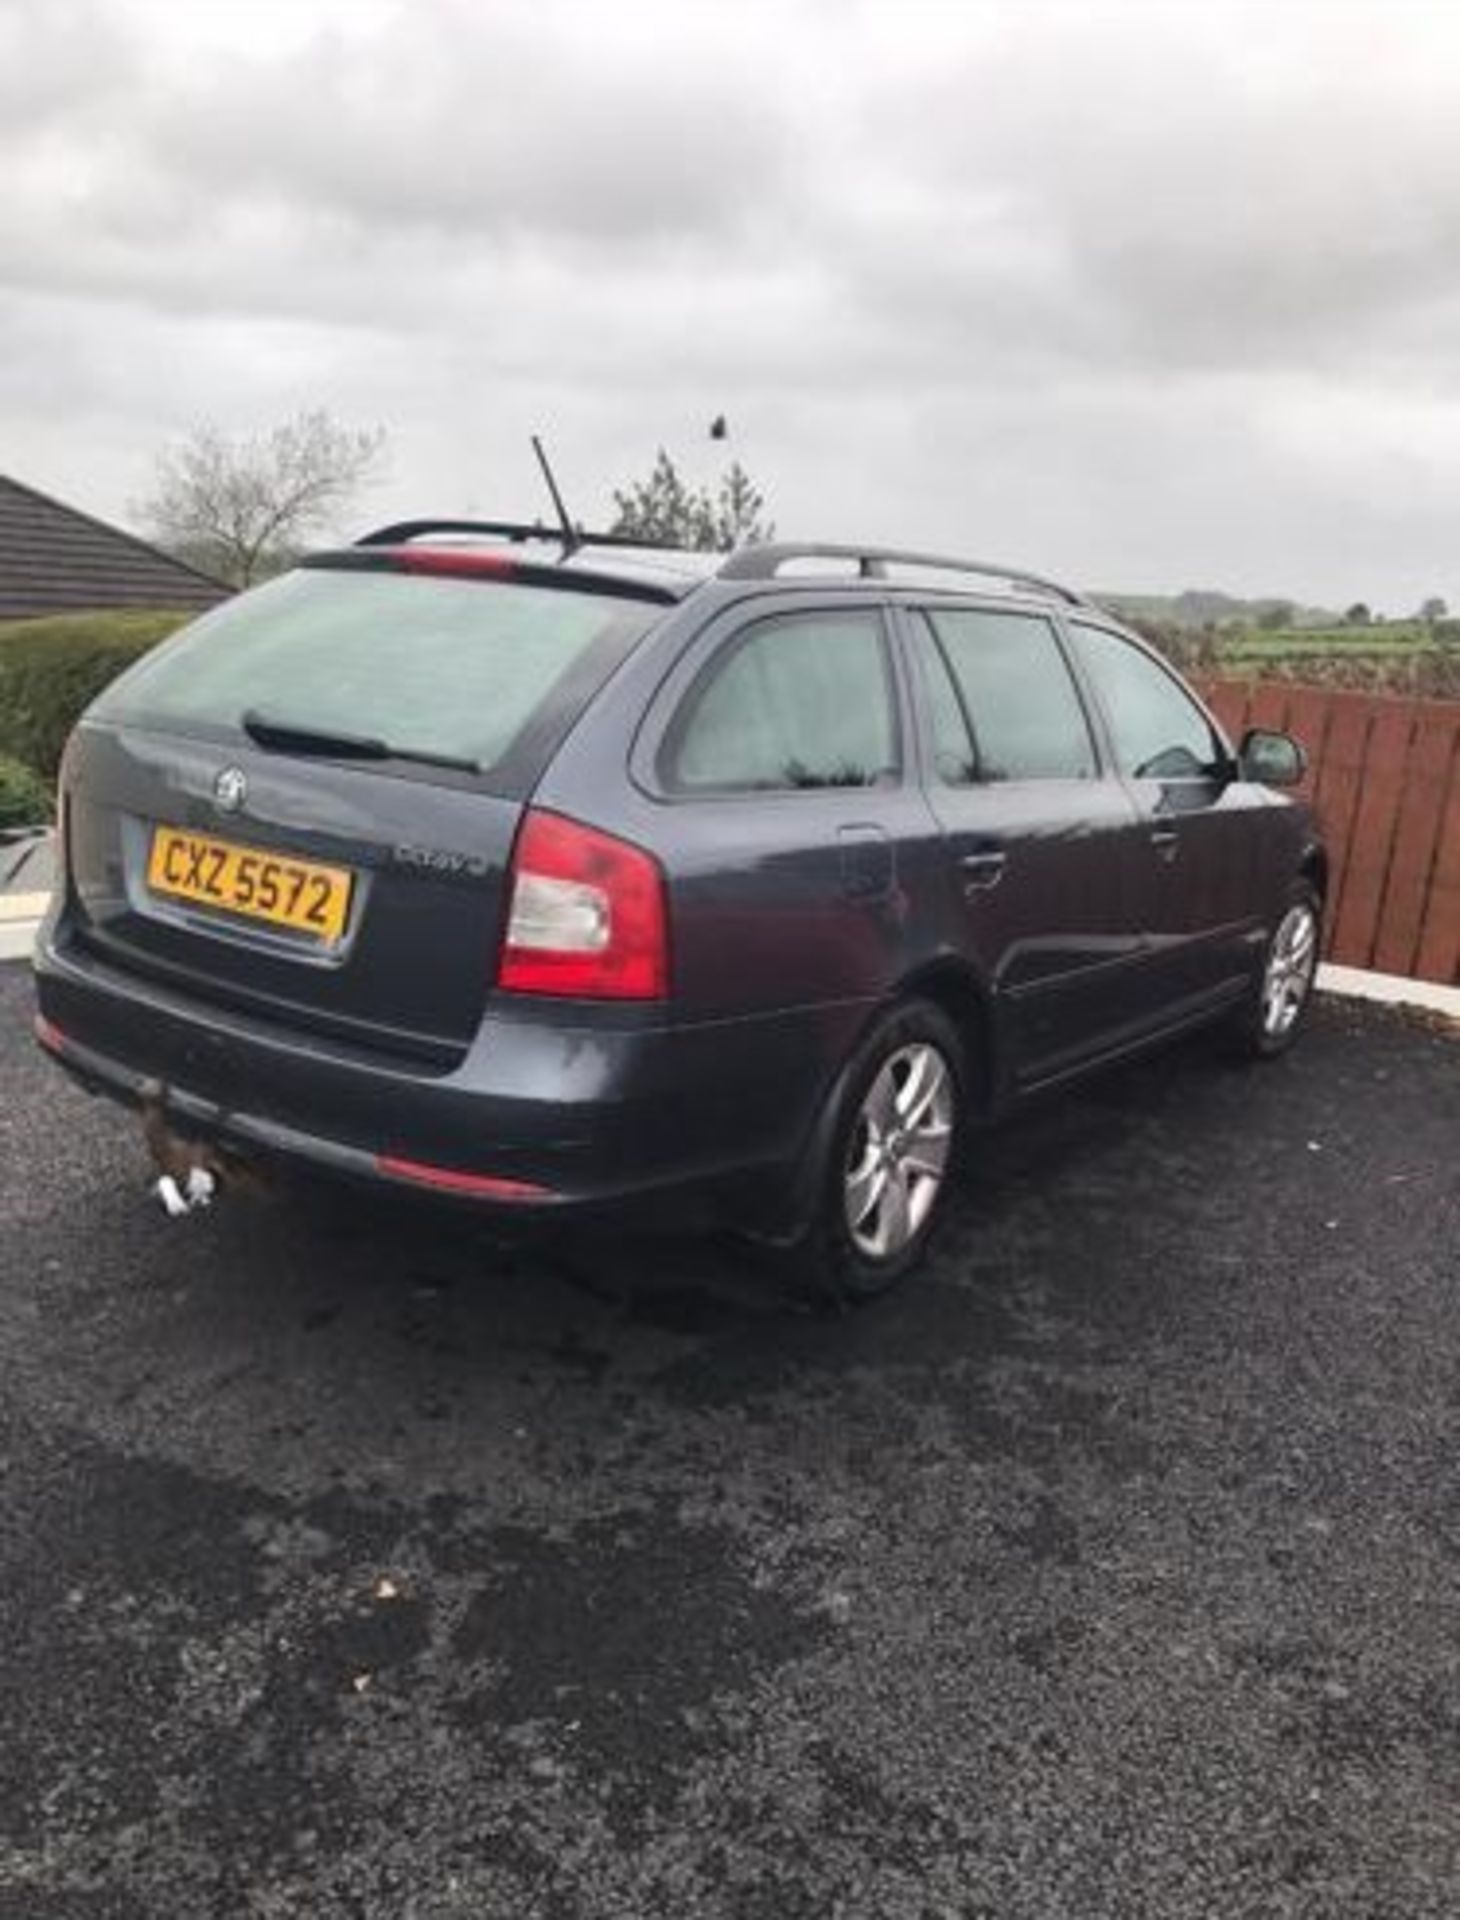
x: 899, y: 1151
x: 1291, y: 963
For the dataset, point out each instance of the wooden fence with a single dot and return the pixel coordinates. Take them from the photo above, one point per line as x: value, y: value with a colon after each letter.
x: 1384, y: 775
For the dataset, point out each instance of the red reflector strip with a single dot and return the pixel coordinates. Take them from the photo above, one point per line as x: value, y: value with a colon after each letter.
x: 49, y: 1034
x: 461, y: 560
x: 487, y: 1186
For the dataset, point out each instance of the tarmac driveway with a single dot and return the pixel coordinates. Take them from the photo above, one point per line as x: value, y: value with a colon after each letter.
x: 353, y: 1568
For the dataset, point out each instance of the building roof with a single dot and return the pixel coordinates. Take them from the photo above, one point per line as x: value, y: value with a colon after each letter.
x: 55, y: 559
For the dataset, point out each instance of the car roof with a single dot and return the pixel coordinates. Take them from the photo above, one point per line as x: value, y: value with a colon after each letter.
x: 601, y: 561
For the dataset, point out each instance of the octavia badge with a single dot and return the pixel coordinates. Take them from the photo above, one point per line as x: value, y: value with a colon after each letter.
x: 230, y: 789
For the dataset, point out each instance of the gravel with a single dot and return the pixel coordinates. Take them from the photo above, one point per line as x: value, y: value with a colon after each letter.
x: 355, y: 1565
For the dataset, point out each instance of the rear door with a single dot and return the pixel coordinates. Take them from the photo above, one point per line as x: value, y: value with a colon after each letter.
x: 305, y: 805
x: 1042, y: 845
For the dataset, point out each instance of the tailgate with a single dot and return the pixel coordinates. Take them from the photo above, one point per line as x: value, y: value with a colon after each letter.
x: 305, y: 803
x: 402, y: 951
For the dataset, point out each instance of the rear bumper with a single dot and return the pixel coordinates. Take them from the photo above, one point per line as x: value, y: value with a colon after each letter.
x: 100, y: 1073
x: 541, y: 1116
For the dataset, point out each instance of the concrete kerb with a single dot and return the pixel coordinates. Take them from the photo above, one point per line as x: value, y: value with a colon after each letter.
x: 1392, y: 989
x: 20, y: 919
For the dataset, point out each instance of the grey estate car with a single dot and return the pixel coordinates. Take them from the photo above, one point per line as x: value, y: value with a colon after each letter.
x: 554, y: 873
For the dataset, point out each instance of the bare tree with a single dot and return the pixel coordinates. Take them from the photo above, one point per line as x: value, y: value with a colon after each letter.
x: 240, y: 508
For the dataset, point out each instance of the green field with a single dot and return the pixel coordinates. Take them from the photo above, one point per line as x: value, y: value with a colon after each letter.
x: 1394, y: 656
x: 1345, y: 643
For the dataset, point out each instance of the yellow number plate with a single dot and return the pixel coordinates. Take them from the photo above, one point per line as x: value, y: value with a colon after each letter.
x: 246, y: 880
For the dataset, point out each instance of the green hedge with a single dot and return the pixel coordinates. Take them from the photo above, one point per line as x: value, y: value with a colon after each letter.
x: 25, y: 799
x: 52, y: 669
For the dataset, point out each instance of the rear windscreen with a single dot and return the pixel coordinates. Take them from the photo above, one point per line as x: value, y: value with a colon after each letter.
x: 472, y: 670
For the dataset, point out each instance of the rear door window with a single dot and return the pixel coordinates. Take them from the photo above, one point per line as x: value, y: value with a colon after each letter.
x: 1018, y: 697
x: 802, y: 700
x: 467, y: 669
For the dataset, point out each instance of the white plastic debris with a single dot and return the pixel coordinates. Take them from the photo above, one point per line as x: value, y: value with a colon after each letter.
x: 201, y: 1187
x: 171, y: 1196
x: 196, y: 1189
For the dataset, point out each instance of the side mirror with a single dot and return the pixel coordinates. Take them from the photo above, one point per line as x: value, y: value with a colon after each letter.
x: 1271, y: 759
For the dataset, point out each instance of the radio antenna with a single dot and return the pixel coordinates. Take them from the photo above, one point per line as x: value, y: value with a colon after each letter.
x: 571, y: 540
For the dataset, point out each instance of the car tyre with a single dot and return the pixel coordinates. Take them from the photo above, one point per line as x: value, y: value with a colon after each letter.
x: 889, y: 1153
x: 1270, y: 1019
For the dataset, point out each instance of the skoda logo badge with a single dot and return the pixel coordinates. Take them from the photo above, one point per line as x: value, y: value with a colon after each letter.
x: 230, y: 789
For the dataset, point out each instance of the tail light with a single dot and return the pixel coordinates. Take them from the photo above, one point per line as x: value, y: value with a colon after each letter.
x: 453, y: 560
x: 587, y: 917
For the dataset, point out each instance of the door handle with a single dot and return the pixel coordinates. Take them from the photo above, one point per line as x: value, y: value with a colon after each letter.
x: 982, y: 870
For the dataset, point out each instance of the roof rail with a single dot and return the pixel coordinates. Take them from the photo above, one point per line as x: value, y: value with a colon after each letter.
x: 402, y: 531
x: 764, y: 560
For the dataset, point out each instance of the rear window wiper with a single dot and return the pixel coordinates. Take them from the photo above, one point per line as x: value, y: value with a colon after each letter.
x: 293, y: 736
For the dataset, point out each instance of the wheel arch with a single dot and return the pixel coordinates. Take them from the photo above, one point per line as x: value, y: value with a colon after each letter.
x: 956, y: 989
x: 957, y: 992
x: 1313, y: 867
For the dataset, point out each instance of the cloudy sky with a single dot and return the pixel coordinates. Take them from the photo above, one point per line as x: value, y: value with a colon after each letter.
x: 1148, y: 293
